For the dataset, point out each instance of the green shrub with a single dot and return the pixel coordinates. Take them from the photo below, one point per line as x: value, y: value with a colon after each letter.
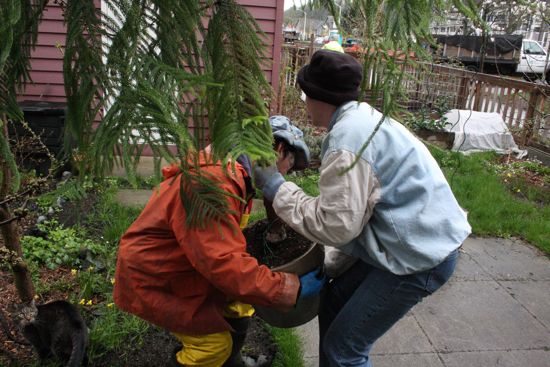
x: 71, y: 190
x: 307, y: 180
x: 61, y: 246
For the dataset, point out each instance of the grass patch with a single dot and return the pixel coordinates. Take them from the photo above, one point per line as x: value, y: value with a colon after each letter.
x: 257, y: 214
x: 290, y: 352
x: 494, y: 208
x: 113, y: 329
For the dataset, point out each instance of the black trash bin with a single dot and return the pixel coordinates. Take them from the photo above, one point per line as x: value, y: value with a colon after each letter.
x: 47, y: 121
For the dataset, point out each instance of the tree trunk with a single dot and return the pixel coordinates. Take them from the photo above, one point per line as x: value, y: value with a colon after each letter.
x: 276, y: 230
x: 10, y: 234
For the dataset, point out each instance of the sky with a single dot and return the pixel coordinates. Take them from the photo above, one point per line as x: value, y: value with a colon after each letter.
x: 289, y: 3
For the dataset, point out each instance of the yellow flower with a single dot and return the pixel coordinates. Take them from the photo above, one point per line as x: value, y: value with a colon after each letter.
x: 110, y: 305
x: 113, y: 281
x: 82, y: 301
x: 90, y: 268
x: 73, y: 272
x: 89, y: 303
x: 519, y: 190
x: 509, y: 175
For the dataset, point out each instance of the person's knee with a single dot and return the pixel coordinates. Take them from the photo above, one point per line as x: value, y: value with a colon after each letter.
x: 330, y: 350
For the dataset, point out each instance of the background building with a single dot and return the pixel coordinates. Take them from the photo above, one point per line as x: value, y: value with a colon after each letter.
x: 503, y: 17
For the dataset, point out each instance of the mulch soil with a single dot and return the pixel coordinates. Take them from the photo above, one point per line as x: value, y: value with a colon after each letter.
x: 274, y: 254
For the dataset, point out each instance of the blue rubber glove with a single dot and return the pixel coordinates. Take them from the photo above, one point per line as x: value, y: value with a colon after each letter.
x: 268, y: 179
x: 311, y: 283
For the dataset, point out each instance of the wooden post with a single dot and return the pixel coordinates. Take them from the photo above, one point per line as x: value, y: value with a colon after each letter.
x: 311, y: 40
x: 529, y: 122
x: 463, y: 92
x: 477, y: 96
x: 282, y: 89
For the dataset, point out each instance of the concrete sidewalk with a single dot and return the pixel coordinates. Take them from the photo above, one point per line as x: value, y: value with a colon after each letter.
x: 495, y: 311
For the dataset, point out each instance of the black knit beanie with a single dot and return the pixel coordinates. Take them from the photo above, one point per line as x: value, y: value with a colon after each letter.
x: 332, y: 77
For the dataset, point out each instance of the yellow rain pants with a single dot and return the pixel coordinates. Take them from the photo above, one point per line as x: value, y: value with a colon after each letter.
x: 211, y: 350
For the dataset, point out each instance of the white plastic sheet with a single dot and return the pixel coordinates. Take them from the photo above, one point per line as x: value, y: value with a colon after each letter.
x: 481, y: 131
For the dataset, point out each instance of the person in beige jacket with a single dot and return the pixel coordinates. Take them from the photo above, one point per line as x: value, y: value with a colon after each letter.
x: 388, y: 219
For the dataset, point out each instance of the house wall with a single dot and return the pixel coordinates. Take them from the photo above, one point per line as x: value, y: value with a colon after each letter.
x: 47, y: 58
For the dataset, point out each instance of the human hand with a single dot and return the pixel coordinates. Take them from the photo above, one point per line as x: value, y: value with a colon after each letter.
x: 268, y: 179
x: 311, y: 283
x: 262, y: 175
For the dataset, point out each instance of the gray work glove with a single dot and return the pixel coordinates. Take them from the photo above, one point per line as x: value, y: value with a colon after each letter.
x: 284, y: 130
x: 268, y: 179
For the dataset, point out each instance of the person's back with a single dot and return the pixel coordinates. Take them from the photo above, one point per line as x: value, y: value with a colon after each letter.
x: 416, y: 221
x: 162, y: 274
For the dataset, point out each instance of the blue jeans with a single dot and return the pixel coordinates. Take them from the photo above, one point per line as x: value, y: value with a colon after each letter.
x: 362, y: 304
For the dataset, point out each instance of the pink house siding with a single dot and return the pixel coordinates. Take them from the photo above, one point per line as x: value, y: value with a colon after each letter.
x: 47, y: 58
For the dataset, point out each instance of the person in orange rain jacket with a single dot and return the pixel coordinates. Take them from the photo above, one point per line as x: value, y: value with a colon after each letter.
x: 199, y: 283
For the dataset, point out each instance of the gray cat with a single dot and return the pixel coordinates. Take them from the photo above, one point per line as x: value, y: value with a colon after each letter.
x: 56, y: 329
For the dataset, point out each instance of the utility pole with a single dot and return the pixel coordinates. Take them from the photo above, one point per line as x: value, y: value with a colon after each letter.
x: 304, y: 34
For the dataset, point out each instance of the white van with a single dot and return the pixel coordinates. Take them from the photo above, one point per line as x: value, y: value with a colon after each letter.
x: 533, y: 59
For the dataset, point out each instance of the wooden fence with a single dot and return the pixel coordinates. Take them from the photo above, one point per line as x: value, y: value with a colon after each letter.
x: 524, y: 106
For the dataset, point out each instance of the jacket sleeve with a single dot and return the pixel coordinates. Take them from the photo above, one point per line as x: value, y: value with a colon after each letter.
x: 343, y: 207
x: 219, y: 254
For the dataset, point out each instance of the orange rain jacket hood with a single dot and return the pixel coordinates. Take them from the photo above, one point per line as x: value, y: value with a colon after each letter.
x: 181, y: 279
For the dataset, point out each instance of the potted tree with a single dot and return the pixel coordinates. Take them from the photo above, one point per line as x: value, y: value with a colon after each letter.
x: 152, y: 89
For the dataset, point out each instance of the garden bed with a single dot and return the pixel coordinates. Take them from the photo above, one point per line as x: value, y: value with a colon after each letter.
x: 116, y: 338
x: 153, y: 349
x: 443, y: 139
